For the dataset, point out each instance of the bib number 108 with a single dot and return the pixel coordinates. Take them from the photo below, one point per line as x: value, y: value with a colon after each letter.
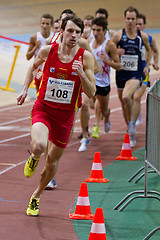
x: 59, y: 93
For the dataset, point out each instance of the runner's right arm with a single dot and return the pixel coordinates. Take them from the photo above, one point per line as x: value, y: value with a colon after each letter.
x: 33, y: 46
x: 41, y: 58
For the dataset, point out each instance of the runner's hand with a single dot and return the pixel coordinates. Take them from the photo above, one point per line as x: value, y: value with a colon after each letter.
x: 77, y: 66
x: 38, y: 44
x: 120, y: 51
x: 155, y: 66
x: 146, y: 71
x: 21, y: 98
x: 103, y: 56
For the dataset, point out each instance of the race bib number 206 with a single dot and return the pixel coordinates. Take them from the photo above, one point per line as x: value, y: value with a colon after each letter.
x: 129, y: 62
x: 59, y: 91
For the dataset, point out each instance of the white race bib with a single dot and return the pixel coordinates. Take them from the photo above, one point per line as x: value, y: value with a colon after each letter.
x: 129, y: 62
x: 59, y: 90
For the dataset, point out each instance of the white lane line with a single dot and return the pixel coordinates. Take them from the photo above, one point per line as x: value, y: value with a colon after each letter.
x: 16, y: 106
x: 77, y: 121
x: 15, y: 121
x: 11, y: 167
x: 14, y: 138
x: 92, y: 116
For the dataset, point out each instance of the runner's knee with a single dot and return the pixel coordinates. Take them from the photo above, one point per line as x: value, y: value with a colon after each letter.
x: 136, y: 98
x: 84, y: 107
x: 38, y: 147
x: 125, y: 99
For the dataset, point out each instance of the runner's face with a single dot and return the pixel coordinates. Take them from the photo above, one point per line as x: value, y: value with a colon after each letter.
x: 56, y: 27
x: 71, y: 34
x: 87, y: 23
x: 46, y: 26
x: 130, y: 20
x: 140, y: 24
x: 98, y: 33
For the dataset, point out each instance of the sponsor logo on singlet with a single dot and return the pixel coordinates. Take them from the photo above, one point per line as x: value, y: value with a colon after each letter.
x: 62, y: 75
x: 52, y: 70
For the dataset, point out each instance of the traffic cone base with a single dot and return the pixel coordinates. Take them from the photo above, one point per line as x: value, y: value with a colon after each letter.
x: 98, y: 180
x: 126, y: 158
x: 81, y: 217
x: 126, y: 152
x: 96, y: 236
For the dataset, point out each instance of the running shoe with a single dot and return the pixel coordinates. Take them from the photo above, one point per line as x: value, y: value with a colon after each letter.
x: 95, y: 132
x: 84, y: 142
x: 33, y: 207
x: 107, y: 126
x: 30, y: 166
x: 139, y: 120
x: 132, y: 141
x: 81, y: 135
x: 131, y: 128
x: 51, y: 185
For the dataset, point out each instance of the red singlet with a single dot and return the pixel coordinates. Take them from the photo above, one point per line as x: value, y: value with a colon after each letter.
x: 60, y: 86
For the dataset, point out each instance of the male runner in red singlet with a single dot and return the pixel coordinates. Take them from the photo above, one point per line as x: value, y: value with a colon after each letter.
x: 83, y: 43
x: 67, y: 69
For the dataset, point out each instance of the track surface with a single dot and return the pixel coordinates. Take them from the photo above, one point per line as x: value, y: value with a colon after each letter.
x: 74, y: 168
x: 54, y: 223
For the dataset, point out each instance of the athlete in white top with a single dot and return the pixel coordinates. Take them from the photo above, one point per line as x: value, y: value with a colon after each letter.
x: 38, y: 40
x: 41, y: 40
x: 106, y: 55
x: 101, y: 12
x: 103, y: 76
x: 86, y: 102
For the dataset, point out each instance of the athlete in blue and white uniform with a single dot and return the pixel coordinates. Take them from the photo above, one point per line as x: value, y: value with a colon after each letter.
x: 131, y: 60
x: 137, y: 116
x: 129, y: 78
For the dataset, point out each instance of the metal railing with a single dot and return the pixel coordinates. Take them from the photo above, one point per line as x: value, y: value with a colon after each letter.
x: 152, y: 149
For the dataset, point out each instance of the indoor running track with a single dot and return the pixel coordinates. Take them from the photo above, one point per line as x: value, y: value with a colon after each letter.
x: 55, y: 206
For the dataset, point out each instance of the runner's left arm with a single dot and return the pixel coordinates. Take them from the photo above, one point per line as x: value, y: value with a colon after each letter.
x: 86, y: 73
x: 111, y: 51
x: 155, y: 54
x: 83, y: 43
x: 148, y: 52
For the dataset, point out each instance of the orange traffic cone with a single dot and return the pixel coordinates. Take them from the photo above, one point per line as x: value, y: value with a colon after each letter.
x: 126, y: 152
x: 97, y: 172
x: 83, y: 209
x: 98, y: 231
